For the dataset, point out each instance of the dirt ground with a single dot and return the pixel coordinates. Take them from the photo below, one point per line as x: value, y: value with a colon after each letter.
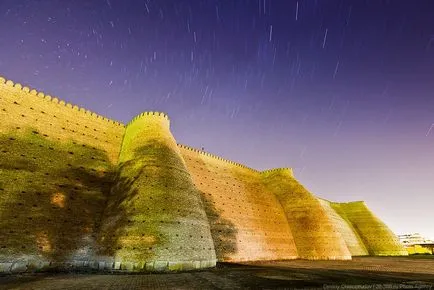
x: 360, y: 273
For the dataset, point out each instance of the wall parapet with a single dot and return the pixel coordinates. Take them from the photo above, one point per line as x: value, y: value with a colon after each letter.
x: 55, y: 100
x: 147, y: 114
x: 349, y: 202
x: 216, y: 157
x: 342, y: 202
x: 280, y: 169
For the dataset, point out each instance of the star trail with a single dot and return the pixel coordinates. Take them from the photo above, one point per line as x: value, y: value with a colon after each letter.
x: 342, y: 91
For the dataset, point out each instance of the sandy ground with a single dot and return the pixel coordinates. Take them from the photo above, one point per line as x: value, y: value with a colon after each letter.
x: 360, y: 273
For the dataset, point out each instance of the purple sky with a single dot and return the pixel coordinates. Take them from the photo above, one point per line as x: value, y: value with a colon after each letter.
x: 342, y: 91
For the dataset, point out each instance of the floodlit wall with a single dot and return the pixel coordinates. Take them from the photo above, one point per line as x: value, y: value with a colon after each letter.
x: 315, y: 234
x: 247, y: 221
x: 345, y: 228
x: 155, y: 217
x: 56, y: 162
x: 80, y: 189
x: 377, y: 237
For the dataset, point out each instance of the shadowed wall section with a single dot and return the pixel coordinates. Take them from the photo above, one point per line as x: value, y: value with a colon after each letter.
x: 377, y: 237
x: 56, y: 164
x: 155, y: 215
x: 247, y: 221
x: 315, y: 234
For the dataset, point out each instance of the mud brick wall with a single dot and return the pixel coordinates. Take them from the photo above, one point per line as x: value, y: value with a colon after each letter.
x: 155, y: 214
x: 315, y: 234
x: 377, y: 237
x: 247, y: 221
x: 345, y: 228
x: 56, y: 162
x: 78, y: 188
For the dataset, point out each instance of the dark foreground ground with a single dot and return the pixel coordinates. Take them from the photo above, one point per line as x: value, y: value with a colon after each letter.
x: 360, y: 273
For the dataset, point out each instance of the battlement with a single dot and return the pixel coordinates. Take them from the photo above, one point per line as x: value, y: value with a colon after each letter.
x: 149, y: 114
x: 279, y: 170
x: 48, y: 98
x: 357, y: 202
x: 216, y: 157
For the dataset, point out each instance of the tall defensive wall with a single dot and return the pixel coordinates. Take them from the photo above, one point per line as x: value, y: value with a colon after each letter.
x: 378, y: 239
x: 155, y: 217
x: 315, y: 233
x: 55, y: 165
x: 80, y: 190
x: 247, y: 221
x: 350, y: 235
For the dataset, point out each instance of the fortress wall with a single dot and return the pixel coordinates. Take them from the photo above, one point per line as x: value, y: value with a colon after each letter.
x: 247, y: 221
x: 155, y: 218
x: 316, y: 235
x: 345, y: 228
x: 55, y: 172
x: 61, y: 121
x: 377, y: 237
x: 68, y: 193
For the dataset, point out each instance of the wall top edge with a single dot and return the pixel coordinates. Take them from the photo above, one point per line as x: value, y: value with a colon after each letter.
x: 216, y: 157
x: 341, y: 203
x: 277, y: 170
x: 352, y: 202
x: 149, y: 114
x: 344, y: 203
x: 46, y: 97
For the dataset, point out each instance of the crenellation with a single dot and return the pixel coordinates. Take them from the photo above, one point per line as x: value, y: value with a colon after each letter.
x: 42, y: 95
x: 278, y: 170
x: 148, y: 114
x: 216, y: 157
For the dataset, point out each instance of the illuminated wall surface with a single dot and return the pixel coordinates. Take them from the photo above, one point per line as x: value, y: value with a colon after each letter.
x: 379, y: 240
x: 247, y: 221
x: 80, y: 190
x: 315, y: 232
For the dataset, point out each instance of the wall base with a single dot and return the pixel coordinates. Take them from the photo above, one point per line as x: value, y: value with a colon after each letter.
x: 28, y: 266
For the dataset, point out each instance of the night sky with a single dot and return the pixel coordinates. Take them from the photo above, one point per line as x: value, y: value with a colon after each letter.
x: 342, y: 91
